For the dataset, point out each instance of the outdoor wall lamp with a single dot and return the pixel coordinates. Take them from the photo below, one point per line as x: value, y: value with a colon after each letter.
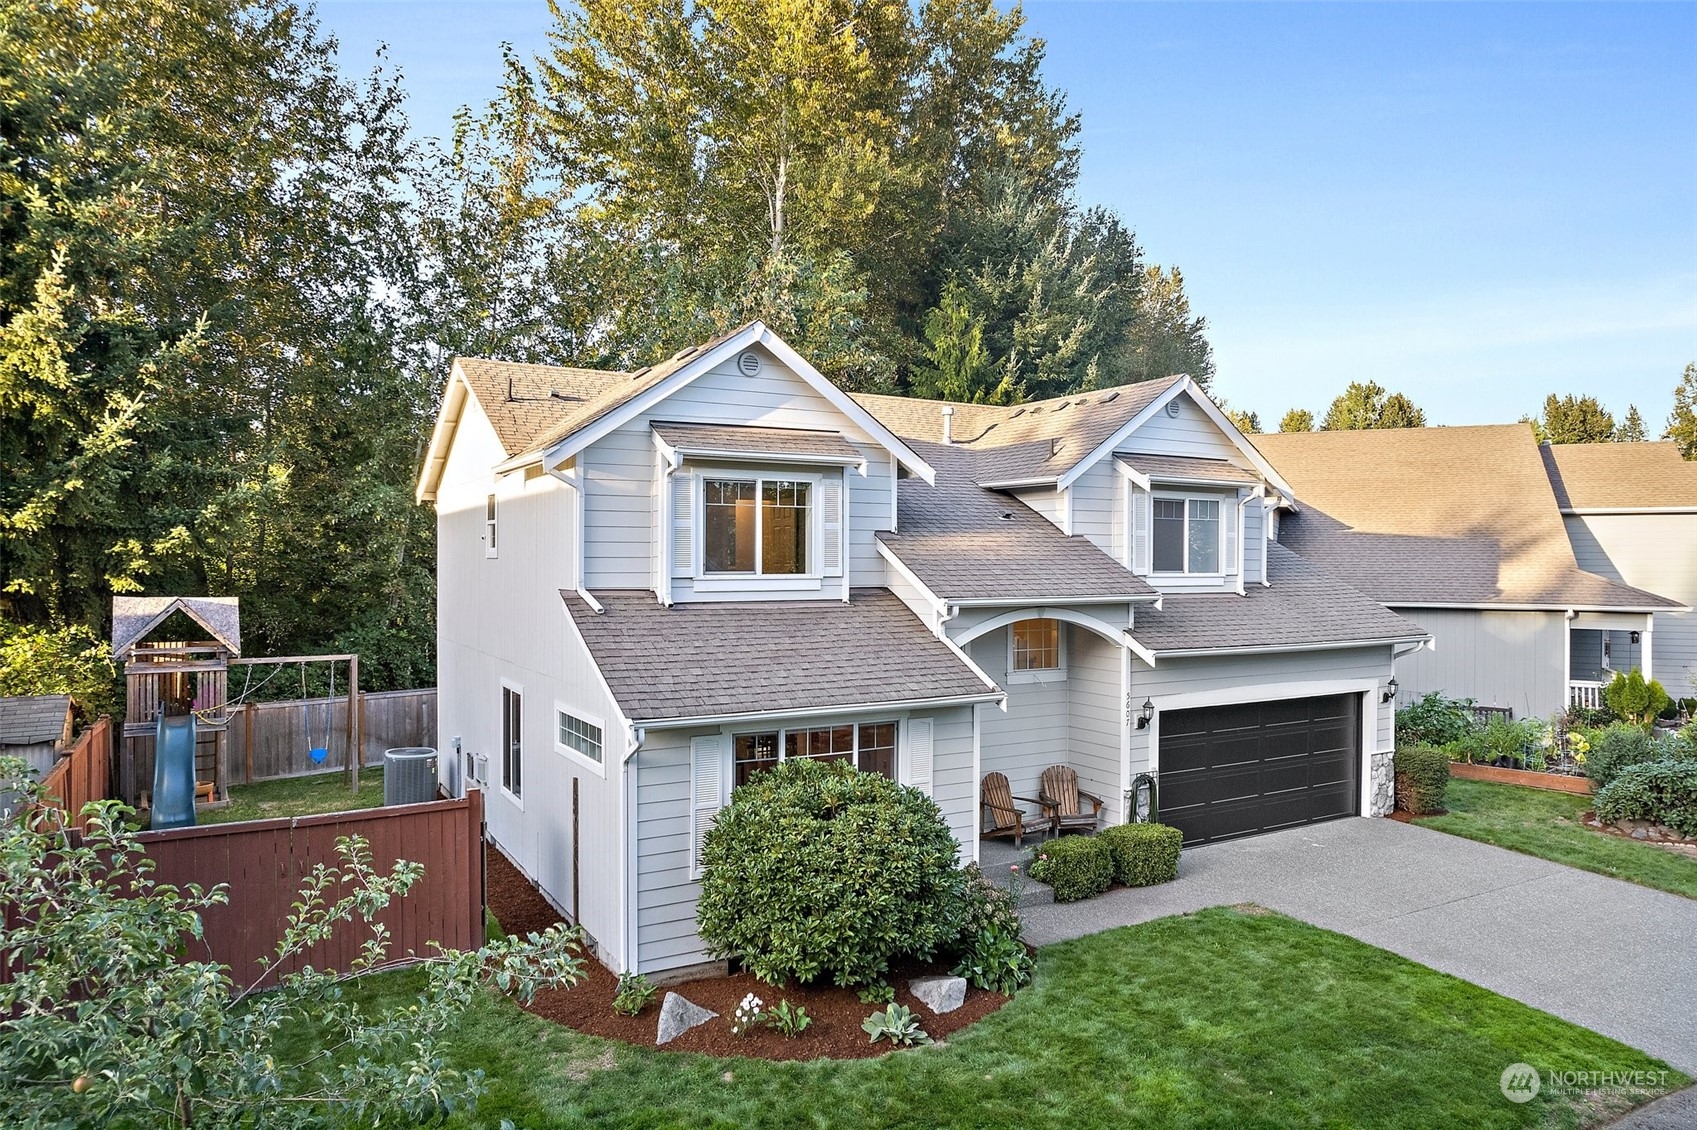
x: 1390, y: 690
x: 1146, y: 714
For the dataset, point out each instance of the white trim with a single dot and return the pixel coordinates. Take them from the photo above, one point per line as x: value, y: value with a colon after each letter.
x: 599, y: 768
x: 1475, y: 607
x: 765, y: 458
x: 1025, y: 601
x: 1187, y: 574
x: 1055, y: 674
x: 819, y: 711
x: 1278, y: 649
x: 600, y: 678
x: 757, y: 580
x: 938, y: 606
x: 977, y: 775
x: 1580, y: 512
x: 501, y: 783
x: 454, y: 397
x: 1139, y: 650
x: 1109, y: 632
x: 491, y: 524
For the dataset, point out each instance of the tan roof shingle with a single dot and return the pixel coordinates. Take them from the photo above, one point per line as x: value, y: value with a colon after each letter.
x: 1620, y: 476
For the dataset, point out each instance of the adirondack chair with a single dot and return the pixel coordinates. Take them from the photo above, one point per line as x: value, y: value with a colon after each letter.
x: 1060, y: 797
x: 1003, y: 818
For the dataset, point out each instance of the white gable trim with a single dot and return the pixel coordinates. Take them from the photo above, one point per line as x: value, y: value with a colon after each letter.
x: 755, y: 333
x: 454, y: 398
x: 1179, y: 387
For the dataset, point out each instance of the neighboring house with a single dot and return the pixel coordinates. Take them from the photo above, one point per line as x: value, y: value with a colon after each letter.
x: 1458, y: 530
x: 653, y: 585
x: 1631, y: 514
x: 36, y: 728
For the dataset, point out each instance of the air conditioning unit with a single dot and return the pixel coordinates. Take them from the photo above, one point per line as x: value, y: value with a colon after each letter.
x: 409, y: 775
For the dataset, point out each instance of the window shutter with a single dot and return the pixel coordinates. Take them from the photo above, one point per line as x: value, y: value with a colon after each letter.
x: 706, y: 773
x: 919, y: 754
x: 1139, y: 531
x: 831, y: 516
x: 1228, y: 521
x: 683, y: 521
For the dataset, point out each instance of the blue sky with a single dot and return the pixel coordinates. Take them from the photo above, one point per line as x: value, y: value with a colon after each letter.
x: 1474, y: 203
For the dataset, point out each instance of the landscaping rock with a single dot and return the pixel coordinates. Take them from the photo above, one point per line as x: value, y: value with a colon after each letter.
x: 678, y: 1016
x: 1640, y: 834
x: 939, y: 994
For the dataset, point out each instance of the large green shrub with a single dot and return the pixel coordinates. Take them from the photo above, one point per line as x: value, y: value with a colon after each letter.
x: 1144, y: 854
x: 1661, y: 791
x: 1422, y: 777
x: 1077, y: 867
x: 64, y: 660
x: 1435, y: 720
x: 1634, y: 698
x: 1619, y: 747
x: 816, y: 870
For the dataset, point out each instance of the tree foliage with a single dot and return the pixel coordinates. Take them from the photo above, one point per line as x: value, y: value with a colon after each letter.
x: 1576, y: 419
x: 1682, y: 421
x: 1370, y: 406
x: 1297, y: 420
x: 36, y: 660
x: 126, y: 1032
x: 1631, y: 427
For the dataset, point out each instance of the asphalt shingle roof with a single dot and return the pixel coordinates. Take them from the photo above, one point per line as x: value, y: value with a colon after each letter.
x: 1304, y: 606
x: 1415, y: 516
x: 1180, y: 468
x: 703, y: 660
x: 758, y: 440
x: 33, y: 719
x: 133, y: 617
x: 1620, y: 476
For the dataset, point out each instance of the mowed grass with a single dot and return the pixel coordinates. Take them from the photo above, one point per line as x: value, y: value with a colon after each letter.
x: 297, y: 796
x: 1546, y: 824
x: 1224, y: 1018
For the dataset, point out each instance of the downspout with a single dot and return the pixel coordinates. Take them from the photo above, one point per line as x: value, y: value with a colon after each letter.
x: 1242, y: 540
x: 577, y: 482
x: 634, y: 738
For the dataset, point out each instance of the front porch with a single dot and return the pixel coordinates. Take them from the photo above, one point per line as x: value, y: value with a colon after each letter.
x: 1598, y: 647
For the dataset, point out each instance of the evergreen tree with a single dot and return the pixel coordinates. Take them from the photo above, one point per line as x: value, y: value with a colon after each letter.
x: 1297, y: 420
x: 1631, y: 428
x: 1682, y: 422
x: 1576, y: 419
x: 1369, y: 406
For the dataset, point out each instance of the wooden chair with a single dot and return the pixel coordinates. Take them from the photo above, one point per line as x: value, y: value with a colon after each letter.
x: 1004, y: 818
x: 1060, y: 797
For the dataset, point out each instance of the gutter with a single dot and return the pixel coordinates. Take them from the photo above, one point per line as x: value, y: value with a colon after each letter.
x: 997, y: 696
x: 1671, y: 606
x: 1277, y: 649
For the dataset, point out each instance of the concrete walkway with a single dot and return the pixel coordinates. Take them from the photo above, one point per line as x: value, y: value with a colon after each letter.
x: 1613, y: 956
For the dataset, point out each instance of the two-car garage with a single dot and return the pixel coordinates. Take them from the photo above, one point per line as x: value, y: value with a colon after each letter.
x: 1246, y: 768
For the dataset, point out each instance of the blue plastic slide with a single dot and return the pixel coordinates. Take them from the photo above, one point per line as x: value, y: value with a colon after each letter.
x: 173, y: 773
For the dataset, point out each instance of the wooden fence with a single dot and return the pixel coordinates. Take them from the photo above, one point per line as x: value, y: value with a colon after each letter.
x: 269, y: 740
x: 84, y: 774
x: 264, y: 863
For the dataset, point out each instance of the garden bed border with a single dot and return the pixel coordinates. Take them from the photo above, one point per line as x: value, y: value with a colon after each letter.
x: 1556, y: 782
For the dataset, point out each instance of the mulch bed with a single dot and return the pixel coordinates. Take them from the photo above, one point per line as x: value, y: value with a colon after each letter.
x: 834, y: 1034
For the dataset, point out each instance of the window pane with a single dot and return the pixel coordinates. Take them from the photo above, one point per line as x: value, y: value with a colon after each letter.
x: 512, y: 741
x: 577, y: 734
x: 728, y: 515
x: 783, y: 537
x: 878, y: 749
x: 1036, y: 645
x: 1169, y: 536
x: 754, y: 753
x: 1204, y: 535
x: 835, y: 743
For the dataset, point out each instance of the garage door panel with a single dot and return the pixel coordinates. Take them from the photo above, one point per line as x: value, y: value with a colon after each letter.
x: 1257, y: 767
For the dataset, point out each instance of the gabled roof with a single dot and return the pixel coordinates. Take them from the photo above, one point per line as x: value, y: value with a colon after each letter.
x: 1304, y: 608
x: 1620, y: 476
x: 1438, y: 516
x: 1184, y: 469
x: 707, y: 440
x: 966, y: 544
x: 34, y: 719
x: 133, y: 617
x: 525, y: 402
x: 726, y: 660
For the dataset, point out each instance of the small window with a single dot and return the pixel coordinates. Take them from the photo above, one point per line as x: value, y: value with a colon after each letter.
x: 489, y: 526
x: 581, y: 736
x: 1186, y: 535
x: 1037, y: 645
x: 761, y: 527
x: 752, y: 754
x: 512, y: 741
x: 869, y: 747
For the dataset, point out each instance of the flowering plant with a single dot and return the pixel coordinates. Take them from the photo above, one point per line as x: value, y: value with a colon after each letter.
x: 747, y: 1015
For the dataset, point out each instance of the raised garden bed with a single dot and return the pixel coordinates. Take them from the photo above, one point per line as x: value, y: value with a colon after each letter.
x: 835, y: 1032
x: 1559, y: 782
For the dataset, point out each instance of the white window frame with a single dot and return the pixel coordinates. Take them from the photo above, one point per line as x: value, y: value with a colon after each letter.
x: 599, y: 768
x: 501, y: 742
x: 1055, y: 674
x: 491, y: 514
x: 1219, y: 527
x: 731, y: 735
x: 734, y: 582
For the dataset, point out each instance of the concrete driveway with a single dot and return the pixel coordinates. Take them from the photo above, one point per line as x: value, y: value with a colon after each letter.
x: 1613, y: 956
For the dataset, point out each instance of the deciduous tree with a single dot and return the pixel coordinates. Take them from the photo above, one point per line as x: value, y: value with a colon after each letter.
x: 1297, y: 420
x: 1576, y: 419
x: 1370, y: 406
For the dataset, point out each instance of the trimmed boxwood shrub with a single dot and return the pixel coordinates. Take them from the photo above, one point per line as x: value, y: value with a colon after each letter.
x: 1077, y: 867
x: 1144, y: 854
x: 815, y: 870
x: 1664, y: 792
x: 1617, y: 748
x: 1422, y: 778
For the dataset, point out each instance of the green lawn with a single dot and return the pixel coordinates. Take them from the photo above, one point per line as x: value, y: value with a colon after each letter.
x: 297, y: 796
x: 1217, y: 1019
x: 1546, y: 824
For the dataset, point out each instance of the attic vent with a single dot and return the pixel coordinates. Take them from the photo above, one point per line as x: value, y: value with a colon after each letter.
x: 1110, y: 396
x: 748, y: 363
x: 640, y: 373
x: 1054, y: 447
x: 558, y: 395
x: 1063, y: 404
x: 1173, y: 408
x: 1005, y: 516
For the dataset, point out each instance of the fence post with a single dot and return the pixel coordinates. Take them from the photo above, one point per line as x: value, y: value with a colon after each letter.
x: 355, y: 754
x: 480, y: 871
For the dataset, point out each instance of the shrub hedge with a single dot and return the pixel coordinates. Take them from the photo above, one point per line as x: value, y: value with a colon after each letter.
x: 1077, y: 867
x: 1619, y: 747
x: 1422, y: 777
x: 1143, y: 854
x: 1664, y: 792
x: 1433, y: 719
x: 815, y: 870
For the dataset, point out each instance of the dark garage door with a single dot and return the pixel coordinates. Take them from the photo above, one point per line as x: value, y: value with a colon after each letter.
x: 1237, y: 770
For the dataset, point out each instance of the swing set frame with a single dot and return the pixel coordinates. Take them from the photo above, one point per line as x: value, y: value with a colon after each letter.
x: 356, y: 724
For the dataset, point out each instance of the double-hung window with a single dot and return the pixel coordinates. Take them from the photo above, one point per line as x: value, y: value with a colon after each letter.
x: 1186, y: 535
x: 869, y: 747
x: 757, y: 526
x: 512, y: 741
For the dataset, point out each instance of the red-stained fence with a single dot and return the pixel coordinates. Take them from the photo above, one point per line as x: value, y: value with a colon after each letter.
x: 264, y: 863
x: 83, y: 775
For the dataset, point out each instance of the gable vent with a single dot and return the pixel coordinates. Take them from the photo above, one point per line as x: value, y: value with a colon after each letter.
x: 748, y: 363
x: 1174, y: 408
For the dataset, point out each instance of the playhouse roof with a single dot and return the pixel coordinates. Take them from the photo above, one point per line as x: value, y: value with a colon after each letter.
x: 134, y: 617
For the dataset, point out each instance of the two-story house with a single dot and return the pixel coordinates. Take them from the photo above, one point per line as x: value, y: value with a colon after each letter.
x: 654, y: 585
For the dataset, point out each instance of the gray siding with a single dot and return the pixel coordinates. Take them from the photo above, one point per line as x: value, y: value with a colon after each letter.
x: 1095, y: 719
x: 1658, y: 553
x: 1511, y: 659
x: 1192, y: 434
x: 1095, y: 501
